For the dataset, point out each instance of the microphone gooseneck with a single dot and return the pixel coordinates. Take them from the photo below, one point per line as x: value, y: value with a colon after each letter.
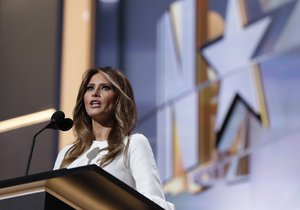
x: 58, y: 122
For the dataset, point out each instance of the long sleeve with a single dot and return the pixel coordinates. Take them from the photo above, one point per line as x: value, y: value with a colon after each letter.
x: 144, y: 171
x: 60, y: 157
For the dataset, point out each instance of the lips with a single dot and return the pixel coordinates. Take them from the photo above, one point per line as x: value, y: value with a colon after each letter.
x: 95, y: 103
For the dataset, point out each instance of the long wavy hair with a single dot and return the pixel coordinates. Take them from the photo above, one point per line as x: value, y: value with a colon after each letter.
x: 125, y: 117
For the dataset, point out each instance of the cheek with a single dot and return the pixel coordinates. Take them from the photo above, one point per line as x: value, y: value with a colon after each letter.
x: 112, y: 101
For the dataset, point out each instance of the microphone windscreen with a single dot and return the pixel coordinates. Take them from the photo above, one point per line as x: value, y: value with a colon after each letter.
x: 66, y: 124
x: 57, y: 116
x: 56, y: 119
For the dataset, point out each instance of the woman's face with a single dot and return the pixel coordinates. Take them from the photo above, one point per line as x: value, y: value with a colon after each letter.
x: 99, y: 99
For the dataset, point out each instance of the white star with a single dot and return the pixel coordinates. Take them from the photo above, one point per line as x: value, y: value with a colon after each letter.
x: 232, y: 54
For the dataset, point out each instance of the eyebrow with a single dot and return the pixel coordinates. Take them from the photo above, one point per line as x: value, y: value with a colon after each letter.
x: 109, y: 84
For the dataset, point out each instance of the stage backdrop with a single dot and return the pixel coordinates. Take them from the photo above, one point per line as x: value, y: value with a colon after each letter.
x: 227, y: 104
x: 30, y: 53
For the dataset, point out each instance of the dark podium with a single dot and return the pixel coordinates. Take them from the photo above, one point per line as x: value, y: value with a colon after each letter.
x: 88, y: 187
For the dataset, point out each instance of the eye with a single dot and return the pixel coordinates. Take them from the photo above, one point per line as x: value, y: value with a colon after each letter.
x: 105, y: 87
x: 89, y: 88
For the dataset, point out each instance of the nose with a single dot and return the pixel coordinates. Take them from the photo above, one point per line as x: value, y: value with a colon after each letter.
x: 96, y: 93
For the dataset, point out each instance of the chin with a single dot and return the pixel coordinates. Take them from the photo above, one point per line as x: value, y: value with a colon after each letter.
x: 94, y: 115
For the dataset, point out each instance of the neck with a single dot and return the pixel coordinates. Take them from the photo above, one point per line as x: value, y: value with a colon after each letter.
x: 101, y: 131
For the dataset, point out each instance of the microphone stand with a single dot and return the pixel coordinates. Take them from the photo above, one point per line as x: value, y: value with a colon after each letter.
x: 58, y: 122
x: 31, y: 150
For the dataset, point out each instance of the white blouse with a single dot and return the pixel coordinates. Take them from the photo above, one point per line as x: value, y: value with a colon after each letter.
x: 137, y: 168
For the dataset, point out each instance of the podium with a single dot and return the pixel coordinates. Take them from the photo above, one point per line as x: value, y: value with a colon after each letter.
x: 87, y: 187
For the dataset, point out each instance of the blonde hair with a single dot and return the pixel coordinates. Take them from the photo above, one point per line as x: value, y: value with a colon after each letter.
x: 125, y: 117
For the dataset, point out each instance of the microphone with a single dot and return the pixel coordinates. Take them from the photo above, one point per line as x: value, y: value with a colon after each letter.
x: 57, y: 122
x: 66, y: 125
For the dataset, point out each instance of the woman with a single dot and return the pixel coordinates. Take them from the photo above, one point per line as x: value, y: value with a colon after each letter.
x: 104, y: 118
